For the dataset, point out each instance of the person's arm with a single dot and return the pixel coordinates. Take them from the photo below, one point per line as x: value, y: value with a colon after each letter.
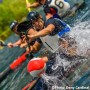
x: 23, y: 45
x: 34, y: 5
x: 43, y: 32
x: 17, y: 43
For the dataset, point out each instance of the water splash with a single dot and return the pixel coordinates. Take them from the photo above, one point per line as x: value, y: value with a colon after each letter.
x: 63, y: 67
x: 81, y: 33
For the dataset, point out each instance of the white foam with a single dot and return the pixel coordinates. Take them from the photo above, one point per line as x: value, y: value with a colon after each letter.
x: 81, y: 33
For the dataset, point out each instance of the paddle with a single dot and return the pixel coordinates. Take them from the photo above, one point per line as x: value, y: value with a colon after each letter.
x: 2, y: 44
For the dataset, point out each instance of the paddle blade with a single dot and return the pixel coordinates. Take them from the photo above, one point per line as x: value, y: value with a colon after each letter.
x: 1, y: 44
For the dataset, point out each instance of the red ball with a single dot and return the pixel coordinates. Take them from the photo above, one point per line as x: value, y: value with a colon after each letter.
x: 36, y: 67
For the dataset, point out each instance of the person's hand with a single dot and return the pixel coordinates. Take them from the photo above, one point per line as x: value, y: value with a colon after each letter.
x: 31, y: 37
x: 23, y: 45
x: 29, y: 49
x: 28, y: 5
x: 23, y: 38
x: 10, y: 45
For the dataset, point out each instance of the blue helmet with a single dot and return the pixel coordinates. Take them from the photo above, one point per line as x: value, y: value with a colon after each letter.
x: 13, y: 24
x: 32, y: 15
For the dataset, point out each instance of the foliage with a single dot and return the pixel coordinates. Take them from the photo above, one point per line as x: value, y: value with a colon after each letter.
x: 10, y: 10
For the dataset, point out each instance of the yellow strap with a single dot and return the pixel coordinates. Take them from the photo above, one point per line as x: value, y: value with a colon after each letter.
x: 28, y: 8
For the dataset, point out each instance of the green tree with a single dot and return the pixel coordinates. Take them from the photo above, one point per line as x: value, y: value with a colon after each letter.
x: 11, y: 10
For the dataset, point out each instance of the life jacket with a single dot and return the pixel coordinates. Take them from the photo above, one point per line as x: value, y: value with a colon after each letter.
x: 51, y: 42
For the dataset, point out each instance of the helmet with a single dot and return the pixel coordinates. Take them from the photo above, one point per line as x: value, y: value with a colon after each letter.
x: 32, y: 15
x: 36, y: 67
x: 24, y: 26
x: 13, y: 24
x: 60, y: 6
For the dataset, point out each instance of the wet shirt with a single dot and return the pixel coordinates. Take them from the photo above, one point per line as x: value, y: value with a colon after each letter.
x: 59, y: 25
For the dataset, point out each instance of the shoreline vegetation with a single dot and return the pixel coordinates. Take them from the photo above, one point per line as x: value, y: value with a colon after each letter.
x: 11, y: 10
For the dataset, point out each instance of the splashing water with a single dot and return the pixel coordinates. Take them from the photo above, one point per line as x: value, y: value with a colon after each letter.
x: 57, y: 80
x: 81, y: 33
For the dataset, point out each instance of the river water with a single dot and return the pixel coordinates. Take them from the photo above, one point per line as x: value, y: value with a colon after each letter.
x: 81, y: 75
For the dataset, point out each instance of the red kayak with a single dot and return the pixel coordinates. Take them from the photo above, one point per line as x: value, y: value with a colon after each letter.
x: 18, y: 61
x: 13, y: 66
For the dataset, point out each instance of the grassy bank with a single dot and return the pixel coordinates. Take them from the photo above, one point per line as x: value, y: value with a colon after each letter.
x: 11, y: 10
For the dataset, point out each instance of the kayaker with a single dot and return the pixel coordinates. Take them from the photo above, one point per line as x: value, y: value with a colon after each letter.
x: 61, y: 6
x: 54, y: 34
x: 53, y: 26
x: 16, y: 28
x: 23, y: 29
x: 13, y: 26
